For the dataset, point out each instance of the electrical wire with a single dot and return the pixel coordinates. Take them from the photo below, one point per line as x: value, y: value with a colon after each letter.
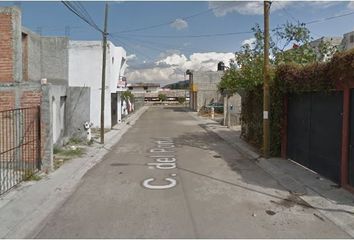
x: 191, y: 36
x: 171, y: 21
x: 129, y: 46
x: 74, y: 10
x: 159, y: 44
x: 329, y: 18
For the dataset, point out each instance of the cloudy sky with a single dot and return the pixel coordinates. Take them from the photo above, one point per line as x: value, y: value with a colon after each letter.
x: 164, y: 39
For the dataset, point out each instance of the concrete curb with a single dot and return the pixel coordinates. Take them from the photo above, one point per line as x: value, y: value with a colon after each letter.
x: 24, y: 209
x: 341, y: 214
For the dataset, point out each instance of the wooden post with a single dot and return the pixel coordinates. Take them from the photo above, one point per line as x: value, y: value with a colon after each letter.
x: 266, y: 78
x: 104, y: 42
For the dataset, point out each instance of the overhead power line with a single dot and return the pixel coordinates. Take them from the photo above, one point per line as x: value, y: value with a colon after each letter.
x: 170, y: 21
x: 81, y: 12
x: 163, y: 44
x: 132, y: 48
x: 191, y: 36
x: 329, y: 18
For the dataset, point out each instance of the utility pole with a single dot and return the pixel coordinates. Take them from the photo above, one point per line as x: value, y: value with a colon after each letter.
x: 103, y: 87
x: 266, y: 78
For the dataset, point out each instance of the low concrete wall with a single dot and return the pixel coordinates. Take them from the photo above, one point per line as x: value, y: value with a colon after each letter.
x: 77, y: 111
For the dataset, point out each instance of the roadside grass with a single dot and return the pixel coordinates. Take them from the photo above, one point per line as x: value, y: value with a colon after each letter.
x: 97, y: 131
x: 29, y: 175
x: 61, y: 155
x: 74, y: 141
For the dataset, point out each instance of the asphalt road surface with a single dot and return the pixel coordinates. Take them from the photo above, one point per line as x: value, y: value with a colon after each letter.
x: 170, y: 178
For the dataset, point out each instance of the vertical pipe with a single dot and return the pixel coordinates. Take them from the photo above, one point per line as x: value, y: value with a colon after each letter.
x: 22, y: 126
x: 7, y: 147
x: 39, y: 139
x: 1, y: 148
x: 33, y: 123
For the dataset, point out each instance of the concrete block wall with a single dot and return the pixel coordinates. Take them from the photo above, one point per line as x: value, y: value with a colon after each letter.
x: 55, y: 60
x: 206, y: 83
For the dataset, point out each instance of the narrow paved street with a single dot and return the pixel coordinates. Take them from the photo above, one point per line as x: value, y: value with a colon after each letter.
x: 214, y: 191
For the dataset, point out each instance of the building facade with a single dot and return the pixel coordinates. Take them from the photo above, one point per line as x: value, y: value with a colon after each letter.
x: 34, y: 75
x: 85, y: 70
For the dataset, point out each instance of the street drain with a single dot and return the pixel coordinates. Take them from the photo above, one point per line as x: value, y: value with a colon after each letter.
x: 217, y: 156
x: 270, y: 212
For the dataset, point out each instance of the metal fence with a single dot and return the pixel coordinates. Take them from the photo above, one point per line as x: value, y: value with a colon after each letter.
x: 20, y: 146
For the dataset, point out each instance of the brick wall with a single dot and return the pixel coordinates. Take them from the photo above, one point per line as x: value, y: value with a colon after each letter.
x: 7, y: 100
x: 30, y: 98
x: 6, y: 53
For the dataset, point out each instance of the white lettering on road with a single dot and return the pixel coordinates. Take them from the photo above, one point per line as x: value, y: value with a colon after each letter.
x: 164, y: 161
x: 172, y: 183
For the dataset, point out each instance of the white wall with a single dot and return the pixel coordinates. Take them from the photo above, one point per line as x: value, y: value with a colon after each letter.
x: 85, y: 69
x: 58, y: 94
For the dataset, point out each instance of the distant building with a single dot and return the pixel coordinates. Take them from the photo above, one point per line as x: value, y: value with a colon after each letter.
x: 204, y: 91
x: 138, y: 88
x: 333, y: 42
x: 348, y: 41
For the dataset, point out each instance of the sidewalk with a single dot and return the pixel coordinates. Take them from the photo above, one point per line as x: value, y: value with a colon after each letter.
x: 335, y: 204
x: 27, y: 206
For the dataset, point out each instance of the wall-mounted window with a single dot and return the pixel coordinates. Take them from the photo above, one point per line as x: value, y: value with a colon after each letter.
x: 112, y: 60
x: 145, y: 88
x: 130, y: 88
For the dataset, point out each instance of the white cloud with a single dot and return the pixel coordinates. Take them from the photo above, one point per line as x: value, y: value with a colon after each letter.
x: 243, y: 7
x: 172, y: 67
x: 174, y: 60
x: 179, y: 24
x: 321, y: 4
x: 131, y: 57
x: 250, y: 42
x: 351, y: 5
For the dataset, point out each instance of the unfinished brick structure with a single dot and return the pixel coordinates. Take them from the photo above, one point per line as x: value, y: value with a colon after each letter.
x: 17, y: 92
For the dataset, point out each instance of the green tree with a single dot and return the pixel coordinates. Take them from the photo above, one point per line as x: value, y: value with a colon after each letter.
x: 162, y: 97
x: 127, y: 95
x: 290, y: 44
x: 181, y: 100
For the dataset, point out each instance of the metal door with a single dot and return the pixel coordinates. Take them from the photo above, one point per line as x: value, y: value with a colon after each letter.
x: 326, y: 134
x: 299, y: 108
x: 351, y: 140
x: 315, y: 131
x: 114, y: 106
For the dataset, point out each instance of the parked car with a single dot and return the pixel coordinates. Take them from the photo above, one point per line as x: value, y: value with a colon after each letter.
x: 218, y: 107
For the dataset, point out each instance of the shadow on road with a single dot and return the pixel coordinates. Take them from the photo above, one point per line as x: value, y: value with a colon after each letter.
x: 250, y: 172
